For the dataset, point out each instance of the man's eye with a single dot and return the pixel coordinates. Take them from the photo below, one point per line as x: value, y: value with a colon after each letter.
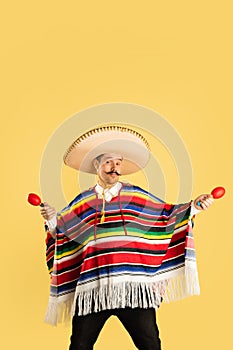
x: 107, y: 162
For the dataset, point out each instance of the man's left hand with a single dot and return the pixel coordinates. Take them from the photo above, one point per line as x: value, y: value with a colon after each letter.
x: 205, y: 201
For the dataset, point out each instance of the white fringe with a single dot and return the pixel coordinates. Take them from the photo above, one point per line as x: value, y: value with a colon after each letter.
x: 121, y: 295
x: 178, y: 284
x: 183, y: 285
x: 59, y: 311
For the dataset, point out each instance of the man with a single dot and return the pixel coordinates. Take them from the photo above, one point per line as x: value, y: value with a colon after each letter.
x: 116, y: 249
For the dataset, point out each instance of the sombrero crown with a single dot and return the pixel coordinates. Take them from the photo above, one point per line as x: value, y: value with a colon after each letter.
x: 128, y: 143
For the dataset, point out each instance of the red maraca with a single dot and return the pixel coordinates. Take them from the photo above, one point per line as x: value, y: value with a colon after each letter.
x: 217, y: 193
x: 34, y: 199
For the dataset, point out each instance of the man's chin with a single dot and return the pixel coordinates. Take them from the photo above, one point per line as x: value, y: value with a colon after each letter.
x: 113, y: 179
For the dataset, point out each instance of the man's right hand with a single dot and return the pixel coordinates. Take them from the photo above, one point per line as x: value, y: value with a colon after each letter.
x: 47, y: 211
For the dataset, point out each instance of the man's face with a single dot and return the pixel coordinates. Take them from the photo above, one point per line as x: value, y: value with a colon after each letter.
x: 108, y: 169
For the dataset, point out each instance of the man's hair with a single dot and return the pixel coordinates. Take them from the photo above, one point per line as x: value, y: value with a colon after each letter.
x: 99, y: 157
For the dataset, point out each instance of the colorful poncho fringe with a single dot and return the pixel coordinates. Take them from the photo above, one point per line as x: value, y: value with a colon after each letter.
x: 141, y: 254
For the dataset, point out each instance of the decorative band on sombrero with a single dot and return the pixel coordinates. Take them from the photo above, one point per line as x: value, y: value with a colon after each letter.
x: 130, y: 144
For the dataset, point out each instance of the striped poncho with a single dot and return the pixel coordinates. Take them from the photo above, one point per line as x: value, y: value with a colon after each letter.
x: 142, y: 253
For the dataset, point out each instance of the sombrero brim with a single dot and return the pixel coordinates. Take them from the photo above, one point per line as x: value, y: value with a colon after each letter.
x: 126, y: 142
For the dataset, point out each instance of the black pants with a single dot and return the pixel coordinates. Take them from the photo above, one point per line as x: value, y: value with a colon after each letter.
x: 140, y: 324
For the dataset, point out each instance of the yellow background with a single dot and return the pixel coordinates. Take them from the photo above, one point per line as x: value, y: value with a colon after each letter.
x: 59, y: 57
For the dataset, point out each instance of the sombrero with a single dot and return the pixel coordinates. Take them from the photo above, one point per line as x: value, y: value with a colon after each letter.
x: 130, y: 144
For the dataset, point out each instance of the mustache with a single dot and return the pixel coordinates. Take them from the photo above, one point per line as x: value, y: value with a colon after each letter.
x: 113, y: 172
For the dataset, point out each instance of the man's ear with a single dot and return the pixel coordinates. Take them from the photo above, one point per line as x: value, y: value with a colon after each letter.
x: 96, y: 164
